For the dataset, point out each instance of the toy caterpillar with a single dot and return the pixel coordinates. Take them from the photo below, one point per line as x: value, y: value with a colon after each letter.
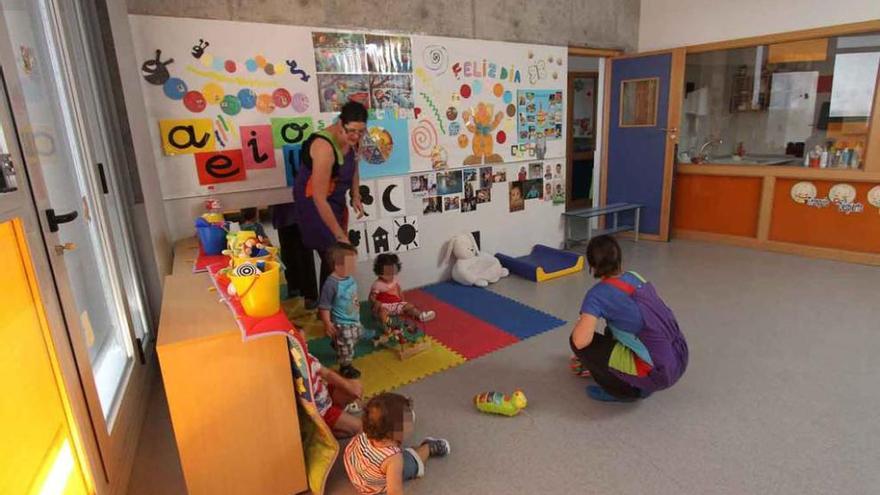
x: 498, y: 403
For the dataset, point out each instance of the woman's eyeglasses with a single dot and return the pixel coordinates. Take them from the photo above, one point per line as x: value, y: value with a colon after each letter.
x: 354, y: 132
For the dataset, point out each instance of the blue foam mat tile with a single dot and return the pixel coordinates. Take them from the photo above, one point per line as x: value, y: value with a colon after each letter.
x: 513, y: 317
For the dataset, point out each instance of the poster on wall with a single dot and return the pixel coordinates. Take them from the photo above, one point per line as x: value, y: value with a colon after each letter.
x: 228, y: 106
x: 466, y: 105
x: 206, y: 91
x: 539, y: 115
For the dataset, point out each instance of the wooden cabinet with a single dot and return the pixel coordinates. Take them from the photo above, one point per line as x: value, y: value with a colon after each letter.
x: 232, y: 403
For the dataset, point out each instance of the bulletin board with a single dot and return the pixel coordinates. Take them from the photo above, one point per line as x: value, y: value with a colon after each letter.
x: 229, y: 103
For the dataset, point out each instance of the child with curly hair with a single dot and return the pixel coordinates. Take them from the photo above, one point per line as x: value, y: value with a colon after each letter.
x: 375, y: 460
x: 386, y: 295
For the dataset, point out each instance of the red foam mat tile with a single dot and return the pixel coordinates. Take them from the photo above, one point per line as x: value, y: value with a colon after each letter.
x: 459, y: 330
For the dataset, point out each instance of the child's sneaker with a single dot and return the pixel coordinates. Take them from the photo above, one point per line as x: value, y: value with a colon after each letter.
x: 427, y: 316
x: 349, y: 372
x: 437, y: 447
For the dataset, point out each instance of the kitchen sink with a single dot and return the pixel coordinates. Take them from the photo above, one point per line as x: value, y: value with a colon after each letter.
x: 754, y: 159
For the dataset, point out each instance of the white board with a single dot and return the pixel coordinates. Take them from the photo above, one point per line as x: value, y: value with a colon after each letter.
x: 411, y: 127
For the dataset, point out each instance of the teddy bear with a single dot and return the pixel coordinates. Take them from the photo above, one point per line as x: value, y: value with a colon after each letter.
x: 472, y: 267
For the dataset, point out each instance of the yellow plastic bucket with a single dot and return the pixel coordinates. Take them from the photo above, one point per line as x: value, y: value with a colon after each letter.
x: 273, y: 251
x: 260, y: 294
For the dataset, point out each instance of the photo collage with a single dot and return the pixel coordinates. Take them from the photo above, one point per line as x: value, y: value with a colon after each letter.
x: 460, y: 190
x: 544, y: 181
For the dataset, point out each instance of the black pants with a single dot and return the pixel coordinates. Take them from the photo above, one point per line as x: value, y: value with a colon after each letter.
x: 327, y: 267
x: 300, y: 263
x: 595, y: 357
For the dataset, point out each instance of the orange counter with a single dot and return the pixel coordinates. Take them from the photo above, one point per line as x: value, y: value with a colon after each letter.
x: 753, y: 206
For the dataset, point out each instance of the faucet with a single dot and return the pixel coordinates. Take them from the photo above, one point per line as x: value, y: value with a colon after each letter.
x: 703, y: 154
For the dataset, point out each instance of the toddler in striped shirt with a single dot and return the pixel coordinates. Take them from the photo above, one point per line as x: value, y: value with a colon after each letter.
x: 375, y: 460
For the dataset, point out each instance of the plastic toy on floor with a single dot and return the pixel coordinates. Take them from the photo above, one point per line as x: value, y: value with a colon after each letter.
x: 543, y: 263
x: 403, y: 336
x: 499, y: 403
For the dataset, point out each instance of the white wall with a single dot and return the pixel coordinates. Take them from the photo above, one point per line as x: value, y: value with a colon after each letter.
x: 673, y: 23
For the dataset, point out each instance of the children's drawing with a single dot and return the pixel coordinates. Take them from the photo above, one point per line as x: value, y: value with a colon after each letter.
x: 436, y: 59
x: 481, y: 123
x: 388, y: 54
x: 384, y: 149
x: 199, y: 49
x: 335, y: 90
x: 155, y: 70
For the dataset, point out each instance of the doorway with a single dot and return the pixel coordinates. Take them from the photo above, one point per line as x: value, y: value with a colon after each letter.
x: 583, y: 109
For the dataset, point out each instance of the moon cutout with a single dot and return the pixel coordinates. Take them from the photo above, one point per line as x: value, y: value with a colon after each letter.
x: 386, y: 199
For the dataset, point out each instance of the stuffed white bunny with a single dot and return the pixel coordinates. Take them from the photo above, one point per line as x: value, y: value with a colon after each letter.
x: 471, y: 266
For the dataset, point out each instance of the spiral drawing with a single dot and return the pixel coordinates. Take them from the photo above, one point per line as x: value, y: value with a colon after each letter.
x: 424, y: 138
x: 436, y: 59
x: 300, y: 102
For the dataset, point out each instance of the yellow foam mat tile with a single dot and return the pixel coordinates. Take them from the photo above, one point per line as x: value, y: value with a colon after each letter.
x: 383, y: 371
x: 305, y: 320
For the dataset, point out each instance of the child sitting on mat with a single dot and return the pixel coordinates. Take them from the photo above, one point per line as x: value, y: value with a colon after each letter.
x: 333, y: 393
x: 375, y: 461
x: 385, y: 294
x: 339, y: 308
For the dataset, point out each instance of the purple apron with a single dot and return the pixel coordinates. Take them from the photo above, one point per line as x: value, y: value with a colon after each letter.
x: 315, y: 234
x: 660, y: 336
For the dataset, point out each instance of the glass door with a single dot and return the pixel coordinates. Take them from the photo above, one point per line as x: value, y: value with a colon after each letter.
x: 61, y: 130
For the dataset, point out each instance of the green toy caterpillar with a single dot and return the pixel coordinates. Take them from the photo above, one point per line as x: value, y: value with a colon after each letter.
x: 498, y: 403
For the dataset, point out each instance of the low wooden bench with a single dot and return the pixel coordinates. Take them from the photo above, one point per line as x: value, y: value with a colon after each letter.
x: 588, y: 213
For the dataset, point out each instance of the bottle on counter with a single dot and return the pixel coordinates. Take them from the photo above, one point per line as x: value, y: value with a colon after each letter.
x: 815, y: 157
x: 856, y: 160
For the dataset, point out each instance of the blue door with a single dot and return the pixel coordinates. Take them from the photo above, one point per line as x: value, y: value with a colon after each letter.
x: 643, y: 117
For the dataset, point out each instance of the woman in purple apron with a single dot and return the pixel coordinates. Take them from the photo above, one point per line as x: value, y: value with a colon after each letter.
x: 642, y: 349
x: 329, y: 170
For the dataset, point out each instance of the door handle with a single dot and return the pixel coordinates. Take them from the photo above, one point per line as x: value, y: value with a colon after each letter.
x: 67, y: 246
x: 56, y: 220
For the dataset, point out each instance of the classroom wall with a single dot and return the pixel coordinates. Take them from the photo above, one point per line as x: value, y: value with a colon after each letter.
x: 672, y: 23
x: 596, y: 23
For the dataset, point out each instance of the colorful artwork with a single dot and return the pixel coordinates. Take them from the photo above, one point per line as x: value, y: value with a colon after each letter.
x: 291, y: 130
x: 540, y: 115
x: 291, y: 153
x: 385, y: 148
x: 188, y: 136
x: 219, y: 167
x: 339, y: 52
x: 424, y: 138
x: 256, y: 144
x: 390, y: 92
x: 842, y: 193
x: 481, y: 123
x: 335, y: 90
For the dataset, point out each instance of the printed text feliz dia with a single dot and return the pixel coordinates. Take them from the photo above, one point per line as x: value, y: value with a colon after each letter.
x: 485, y: 69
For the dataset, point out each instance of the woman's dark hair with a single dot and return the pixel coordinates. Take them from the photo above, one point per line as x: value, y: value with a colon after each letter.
x: 383, y: 415
x: 386, y: 259
x: 353, y: 112
x: 603, y: 256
